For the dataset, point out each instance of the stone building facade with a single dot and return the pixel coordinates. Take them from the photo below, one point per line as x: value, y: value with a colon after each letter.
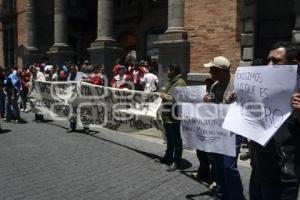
x: 189, y: 32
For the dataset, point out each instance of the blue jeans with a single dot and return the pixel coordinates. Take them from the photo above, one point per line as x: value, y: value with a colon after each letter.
x: 228, y: 179
x: 12, y: 107
x: 174, y: 143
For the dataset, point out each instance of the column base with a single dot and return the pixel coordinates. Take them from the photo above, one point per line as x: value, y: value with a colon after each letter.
x: 33, y: 55
x: 58, y: 54
x: 105, y: 53
x: 173, y: 48
x: 28, y: 55
x: 296, y: 36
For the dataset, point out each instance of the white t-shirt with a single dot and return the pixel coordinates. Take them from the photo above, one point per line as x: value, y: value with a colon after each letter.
x: 48, y: 68
x: 150, y: 79
x: 40, y: 76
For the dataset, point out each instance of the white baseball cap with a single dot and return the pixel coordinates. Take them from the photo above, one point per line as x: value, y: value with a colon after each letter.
x: 219, y: 62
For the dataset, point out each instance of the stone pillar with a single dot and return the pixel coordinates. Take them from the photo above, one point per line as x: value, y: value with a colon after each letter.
x: 296, y: 30
x: 173, y: 45
x: 105, y: 50
x: 31, y: 54
x: 105, y: 20
x: 248, y: 32
x: 175, y: 16
x: 60, y: 52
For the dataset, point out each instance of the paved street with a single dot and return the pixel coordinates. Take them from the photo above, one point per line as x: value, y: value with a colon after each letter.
x: 40, y: 161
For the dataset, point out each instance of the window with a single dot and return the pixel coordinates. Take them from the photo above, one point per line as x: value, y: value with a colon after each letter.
x: 9, y: 43
x: 10, y: 4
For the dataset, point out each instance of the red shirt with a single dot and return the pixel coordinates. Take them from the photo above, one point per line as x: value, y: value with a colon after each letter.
x: 96, y: 79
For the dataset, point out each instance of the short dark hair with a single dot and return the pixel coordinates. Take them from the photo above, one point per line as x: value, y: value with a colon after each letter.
x: 175, y: 68
x: 292, y: 51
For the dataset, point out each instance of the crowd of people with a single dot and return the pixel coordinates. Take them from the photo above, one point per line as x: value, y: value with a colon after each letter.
x: 275, y: 167
x: 15, y: 83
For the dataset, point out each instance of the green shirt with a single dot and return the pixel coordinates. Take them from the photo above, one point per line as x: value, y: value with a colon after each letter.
x: 168, y: 100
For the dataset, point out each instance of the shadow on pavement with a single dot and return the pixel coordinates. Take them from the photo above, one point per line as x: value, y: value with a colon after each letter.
x: 192, y: 196
x: 3, y: 131
x: 57, y: 125
x: 48, y: 120
x: 184, y: 164
x: 90, y: 132
x: 189, y: 175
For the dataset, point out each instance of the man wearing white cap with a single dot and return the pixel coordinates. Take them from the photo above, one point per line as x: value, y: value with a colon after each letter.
x: 229, y: 184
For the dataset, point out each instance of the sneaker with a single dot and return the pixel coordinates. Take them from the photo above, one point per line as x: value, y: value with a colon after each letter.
x: 213, y: 186
x: 20, y: 121
x: 7, y: 120
x: 172, y: 167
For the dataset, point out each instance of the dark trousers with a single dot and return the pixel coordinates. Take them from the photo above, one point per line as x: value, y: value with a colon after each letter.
x: 228, y: 179
x: 2, y: 102
x: 206, y: 168
x: 12, y: 107
x: 260, y: 189
x: 174, y: 143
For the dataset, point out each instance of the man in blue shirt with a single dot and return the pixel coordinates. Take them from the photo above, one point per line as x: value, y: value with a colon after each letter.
x: 12, y: 87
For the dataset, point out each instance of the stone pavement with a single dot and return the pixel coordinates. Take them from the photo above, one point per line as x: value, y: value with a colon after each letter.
x: 40, y: 161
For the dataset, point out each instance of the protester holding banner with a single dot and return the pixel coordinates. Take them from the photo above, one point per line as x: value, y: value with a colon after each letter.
x: 122, y: 80
x: 205, y: 172
x: 173, y: 152
x: 35, y: 75
x: 228, y: 179
x: 150, y: 80
x: 76, y: 76
x: 136, y: 75
x: 276, y: 167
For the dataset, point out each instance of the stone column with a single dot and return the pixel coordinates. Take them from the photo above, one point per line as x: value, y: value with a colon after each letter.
x: 173, y: 45
x: 60, y: 23
x: 105, y: 20
x: 175, y: 16
x: 105, y: 50
x: 60, y: 51
x: 248, y: 32
x: 296, y: 31
x: 32, y: 53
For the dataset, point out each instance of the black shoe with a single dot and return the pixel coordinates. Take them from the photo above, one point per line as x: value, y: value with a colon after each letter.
x: 202, y: 179
x: 172, y: 167
x: 162, y: 161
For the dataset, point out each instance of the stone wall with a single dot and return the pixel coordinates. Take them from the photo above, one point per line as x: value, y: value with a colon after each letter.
x: 1, y: 41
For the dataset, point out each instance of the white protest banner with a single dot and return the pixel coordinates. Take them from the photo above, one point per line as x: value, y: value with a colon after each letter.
x: 263, y: 101
x: 201, y: 124
x: 121, y: 110
x: 189, y: 93
x: 202, y: 128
